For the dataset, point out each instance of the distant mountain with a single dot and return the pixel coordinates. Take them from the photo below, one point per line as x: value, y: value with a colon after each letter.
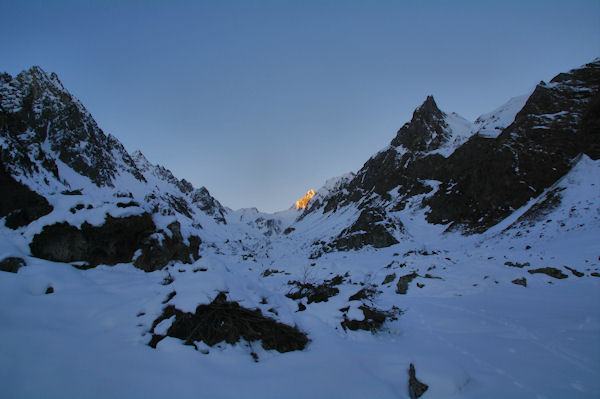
x: 466, y: 176
x: 441, y: 268
x: 51, y: 148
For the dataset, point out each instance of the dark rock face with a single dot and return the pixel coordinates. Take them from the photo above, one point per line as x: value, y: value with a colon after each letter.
x: 116, y: 241
x: 369, y: 229
x: 268, y: 226
x: 485, y: 179
x: 426, y: 131
x: 178, y: 205
x: 11, y: 264
x: 37, y: 109
x: 206, y: 203
x: 222, y: 320
x: 157, y: 253
x: 416, y: 388
x: 113, y: 242
x: 489, y: 178
x: 18, y: 203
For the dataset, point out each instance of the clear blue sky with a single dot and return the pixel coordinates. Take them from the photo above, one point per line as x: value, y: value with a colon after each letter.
x: 261, y: 100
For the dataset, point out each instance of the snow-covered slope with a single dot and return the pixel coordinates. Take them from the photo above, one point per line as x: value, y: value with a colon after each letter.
x: 493, y: 123
x: 336, y: 300
x: 468, y: 329
x: 51, y: 144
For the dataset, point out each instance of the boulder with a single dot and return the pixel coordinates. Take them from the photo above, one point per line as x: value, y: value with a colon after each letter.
x: 113, y: 242
x: 11, y: 264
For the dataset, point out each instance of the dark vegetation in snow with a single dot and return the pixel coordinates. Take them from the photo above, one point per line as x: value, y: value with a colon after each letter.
x: 223, y: 320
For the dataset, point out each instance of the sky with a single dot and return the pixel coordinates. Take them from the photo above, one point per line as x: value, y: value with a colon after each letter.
x: 260, y: 101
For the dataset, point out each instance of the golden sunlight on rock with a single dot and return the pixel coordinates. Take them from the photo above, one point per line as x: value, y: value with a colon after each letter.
x: 301, y: 203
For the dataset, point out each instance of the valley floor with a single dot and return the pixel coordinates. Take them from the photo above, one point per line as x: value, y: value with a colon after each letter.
x: 470, y: 334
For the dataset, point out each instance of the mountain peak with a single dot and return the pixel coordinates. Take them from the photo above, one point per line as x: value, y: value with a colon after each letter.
x: 37, y: 75
x: 302, y: 202
x: 428, y: 111
x: 141, y: 161
x: 425, y: 131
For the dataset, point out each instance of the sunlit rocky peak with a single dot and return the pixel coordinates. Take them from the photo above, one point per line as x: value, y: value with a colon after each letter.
x: 301, y: 203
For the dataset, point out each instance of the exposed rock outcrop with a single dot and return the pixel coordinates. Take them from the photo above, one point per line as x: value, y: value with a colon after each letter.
x: 416, y: 388
x: 223, y: 320
x: 403, y: 281
x: 158, y: 251
x: 116, y: 241
x: 113, y: 242
x: 206, y: 203
x: 426, y: 131
x: 371, y: 228
x: 11, y: 264
x: 550, y: 271
x: 18, y: 203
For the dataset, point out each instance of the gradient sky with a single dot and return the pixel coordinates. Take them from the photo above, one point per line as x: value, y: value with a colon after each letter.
x: 261, y: 100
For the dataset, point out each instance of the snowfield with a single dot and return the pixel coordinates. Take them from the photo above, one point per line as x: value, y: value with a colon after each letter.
x: 469, y: 331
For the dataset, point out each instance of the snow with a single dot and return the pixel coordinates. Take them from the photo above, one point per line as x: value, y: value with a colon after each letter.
x: 493, y: 123
x: 458, y: 130
x: 470, y: 334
